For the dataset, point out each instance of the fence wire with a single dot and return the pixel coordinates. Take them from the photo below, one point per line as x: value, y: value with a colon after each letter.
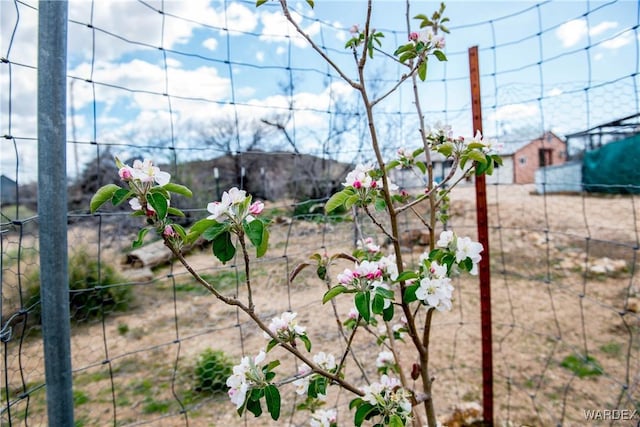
x: 144, y: 335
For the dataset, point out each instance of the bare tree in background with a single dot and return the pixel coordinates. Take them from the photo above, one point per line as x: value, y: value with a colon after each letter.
x: 319, y: 179
x: 228, y: 137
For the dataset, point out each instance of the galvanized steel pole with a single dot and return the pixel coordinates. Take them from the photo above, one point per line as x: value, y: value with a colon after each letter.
x: 52, y: 209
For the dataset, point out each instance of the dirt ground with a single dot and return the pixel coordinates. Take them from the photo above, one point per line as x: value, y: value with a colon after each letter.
x: 564, y: 282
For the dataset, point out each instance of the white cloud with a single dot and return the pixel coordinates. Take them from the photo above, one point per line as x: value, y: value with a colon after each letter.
x: 570, y: 33
x: 136, y: 25
x: 602, y: 27
x: 555, y: 92
x: 174, y: 63
x: 140, y: 77
x: 618, y: 41
x: 210, y: 43
x: 573, y: 32
x: 276, y: 29
x: 512, y: 116
x: 238, y: 19
x: 260, y: 56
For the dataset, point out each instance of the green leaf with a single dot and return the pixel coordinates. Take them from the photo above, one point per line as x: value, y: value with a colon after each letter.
x: 362, y: 302
x: 138, y: 242
x: 387, y: 314
x: 223, y: 248
x: 271, y: 344
x: 262, y: 249
x: 178, y: 229
x: 178, y: 189
x: 417, y: 152
x: 270, y: 366
x: 385, y: 293
x: 352, y: 200
x: 402, y: 48
x: 392, y: 164
x: 475, y: 145
x: 466, y: 264
x: 410, y: 293
x: 355, y: 403
x: 406, y: 56
x: 446, y: 149
x: 317, y: 386
x: 378, y: 304
x: 272, y: 396
x: 160, y: 190
x: 103, y: 195
x: 477, y: 156
x: 216, y: 229
x: 422, y: 70
x: 311, y: 3
x: 120, y: 196
x: 395, y: 421
x: 175, y: 212
x: 337, y: 200
x: 256, y: 231
x: 333, y: 292
x: 440, y: 55
x: 198, y: 228
x: 159, y: 204
x: 307, y: 342
x: 364, y: 412
x: 260, y: 2
x: 406, y: 275
x: 254, y: 406
x: 482, y: 168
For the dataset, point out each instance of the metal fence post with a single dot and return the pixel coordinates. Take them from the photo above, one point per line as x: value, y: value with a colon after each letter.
x: 52, y: 209
x: 483, y: 237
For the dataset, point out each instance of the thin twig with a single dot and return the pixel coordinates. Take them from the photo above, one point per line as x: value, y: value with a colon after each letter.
x: 335, y: 378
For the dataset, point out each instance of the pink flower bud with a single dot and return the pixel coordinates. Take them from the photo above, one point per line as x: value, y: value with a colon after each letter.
x: 256, y: 208
x: 357, y: 184
x: 354, y: 29
x: 413, y: 36
x: 169, y: 231
x: 125, y: 173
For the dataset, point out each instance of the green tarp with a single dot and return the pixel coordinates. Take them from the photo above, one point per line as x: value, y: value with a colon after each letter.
x: 613, y: 168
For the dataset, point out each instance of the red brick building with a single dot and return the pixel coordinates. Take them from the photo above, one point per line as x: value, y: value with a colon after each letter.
x: 520, y: 161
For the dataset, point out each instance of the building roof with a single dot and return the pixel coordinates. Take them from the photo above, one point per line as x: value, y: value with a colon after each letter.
x: 512, y: 147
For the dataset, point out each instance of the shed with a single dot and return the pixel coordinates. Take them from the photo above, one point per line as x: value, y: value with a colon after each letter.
x: 521, y: 160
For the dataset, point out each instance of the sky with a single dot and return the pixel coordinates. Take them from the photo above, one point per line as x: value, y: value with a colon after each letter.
x: 137, y: 77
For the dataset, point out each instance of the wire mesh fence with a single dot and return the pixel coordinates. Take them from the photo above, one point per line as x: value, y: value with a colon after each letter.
x: 149, y: 346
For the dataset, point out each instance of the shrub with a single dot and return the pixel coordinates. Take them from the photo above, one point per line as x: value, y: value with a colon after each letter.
x: 94, y: 289
x: 313, y: 210
x: 212, y: 370
x: 582, y: 366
